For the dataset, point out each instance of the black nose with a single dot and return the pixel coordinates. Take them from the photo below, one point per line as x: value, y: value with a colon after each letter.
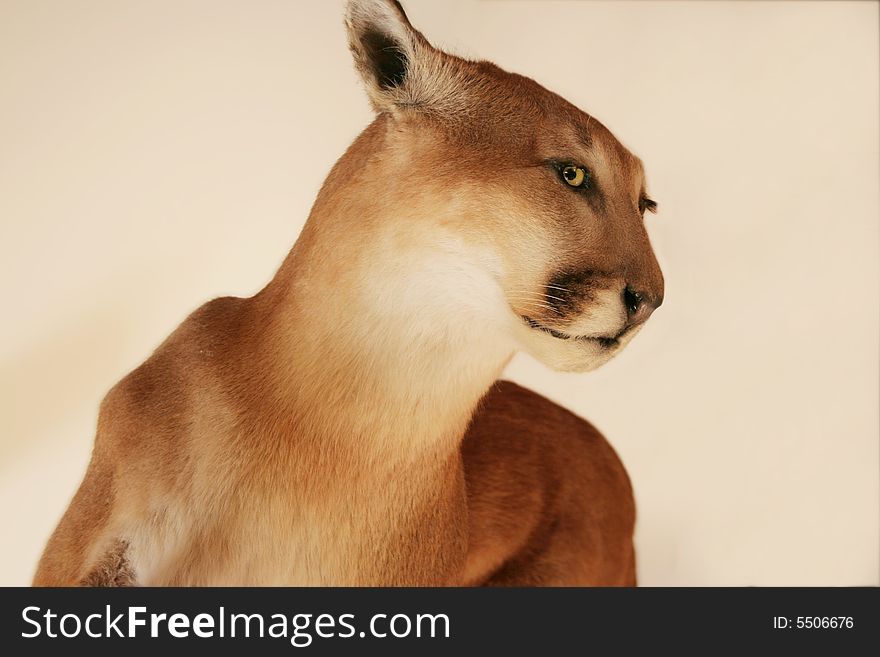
x: 639, y: 305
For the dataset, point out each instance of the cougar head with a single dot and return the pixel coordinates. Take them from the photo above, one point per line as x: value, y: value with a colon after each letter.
x: 537, y: 195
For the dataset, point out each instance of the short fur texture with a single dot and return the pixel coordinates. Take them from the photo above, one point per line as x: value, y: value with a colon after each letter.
x: 344, y: 425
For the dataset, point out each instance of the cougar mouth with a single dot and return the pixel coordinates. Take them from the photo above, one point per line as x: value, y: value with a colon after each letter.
x: 603, y: 341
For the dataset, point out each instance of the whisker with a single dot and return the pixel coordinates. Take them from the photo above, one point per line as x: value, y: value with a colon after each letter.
x: 532, y: 303
x: 518, y: 290
x: 529, y: 292
x: 532, y: 300
x: 538, y: 295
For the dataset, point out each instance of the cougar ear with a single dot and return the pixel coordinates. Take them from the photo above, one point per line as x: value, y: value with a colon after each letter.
x: 388, y: 52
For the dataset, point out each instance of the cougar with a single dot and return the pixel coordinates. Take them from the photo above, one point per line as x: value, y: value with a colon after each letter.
x: 345, y: 425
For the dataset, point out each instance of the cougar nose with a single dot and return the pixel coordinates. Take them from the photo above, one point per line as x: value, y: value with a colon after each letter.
x: 639, y: 305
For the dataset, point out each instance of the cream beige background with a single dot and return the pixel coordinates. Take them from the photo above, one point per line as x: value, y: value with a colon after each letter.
x: 156, y: 154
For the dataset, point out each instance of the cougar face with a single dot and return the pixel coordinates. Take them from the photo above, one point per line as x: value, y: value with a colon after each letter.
x: 549, y: 200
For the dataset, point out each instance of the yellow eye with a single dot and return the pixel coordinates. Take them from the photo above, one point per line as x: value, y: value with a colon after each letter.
x: 574, y: 176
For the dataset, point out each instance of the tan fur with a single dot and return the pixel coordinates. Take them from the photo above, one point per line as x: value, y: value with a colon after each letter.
x: 330, y: 429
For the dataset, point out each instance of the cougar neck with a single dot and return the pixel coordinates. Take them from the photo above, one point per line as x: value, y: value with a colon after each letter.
x: 383, y: 329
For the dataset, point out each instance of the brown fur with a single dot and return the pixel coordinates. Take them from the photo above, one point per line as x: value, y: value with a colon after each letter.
x: 549, y: 501
x: 329, y: 430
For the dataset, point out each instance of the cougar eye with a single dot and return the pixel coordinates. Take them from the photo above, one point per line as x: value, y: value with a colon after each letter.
x: 573, y: 175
